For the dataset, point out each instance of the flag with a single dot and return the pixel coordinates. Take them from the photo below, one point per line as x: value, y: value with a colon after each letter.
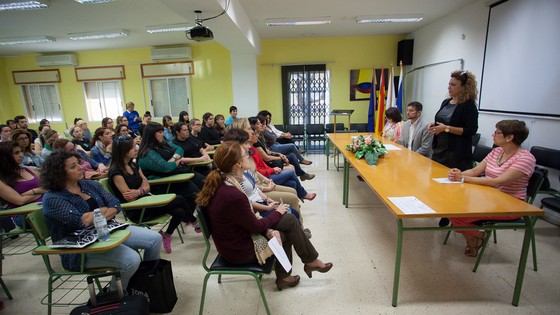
x: 391, y: 88
x: 381, y: 105
x: 400, y: 91
x: 372, y: 105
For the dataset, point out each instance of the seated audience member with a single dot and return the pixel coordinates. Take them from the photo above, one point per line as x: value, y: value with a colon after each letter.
x: 133, y: 117
x: 50, y: 137
x: 18, y: 185
x: 392, y: 130
x: 220, y: 124
x: 281, y: 137
x: 122, y: 130
x: 78, y: 138
x: 276, y: 159
x: 236, y: 228
x: 270, y: 139
x: 184, y: 117
x: 86, y: 133
x: 286, y: 177
x: 92, y: 169
x: 43, y: 122
x: 168, y: 128
x: 68, y: 206
x: 107, y: 122
x: 507, y: 168
x: 415, y: 135
x: 129, y: 183
x: 101, y: 146
x: 5, y: 133
x: 121, y: 120
x: 192, y: 152
x: 21, y: 123
x: 39, y: 143
x: 195, y: 128
x: 146, y: 119
x: 11, y: 123
x: 30, y: 158
x: 209, y: 133
x: 233, y: 115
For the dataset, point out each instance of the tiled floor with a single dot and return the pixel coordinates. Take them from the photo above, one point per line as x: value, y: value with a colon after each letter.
x: 360, y: 241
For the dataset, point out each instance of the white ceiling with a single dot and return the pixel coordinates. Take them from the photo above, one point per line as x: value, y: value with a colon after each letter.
x: 240, y: 30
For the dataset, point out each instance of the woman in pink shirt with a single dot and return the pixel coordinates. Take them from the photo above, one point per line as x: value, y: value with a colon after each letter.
x: 507, y: 168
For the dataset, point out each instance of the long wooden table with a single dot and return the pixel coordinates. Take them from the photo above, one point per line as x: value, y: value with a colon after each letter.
x: 407, y: 173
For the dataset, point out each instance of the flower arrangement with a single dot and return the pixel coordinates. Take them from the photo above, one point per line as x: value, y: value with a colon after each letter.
x: 367, y: 147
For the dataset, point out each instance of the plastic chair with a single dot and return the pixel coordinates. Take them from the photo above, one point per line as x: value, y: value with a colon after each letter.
x: 221, y: 267
x: 57, y: 279
x: 549, y: 158
x: 360, y: 127
x: 329, y: 128
x: 479, y: 153
x: 315, y: 132
x: 298, y: 134
x: 534, y: 184
x: 143, y: 204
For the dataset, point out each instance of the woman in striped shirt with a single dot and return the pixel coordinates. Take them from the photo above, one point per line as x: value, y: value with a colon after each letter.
x: 507, y: 168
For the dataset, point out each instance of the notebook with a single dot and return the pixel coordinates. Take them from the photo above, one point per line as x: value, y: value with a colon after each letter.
x: 84, y: 237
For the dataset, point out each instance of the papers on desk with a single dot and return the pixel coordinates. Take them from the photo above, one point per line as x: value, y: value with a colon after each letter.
x: 445, y: 180
x: 391, y: 147
x: 280, y: 254
x: 411, y: 205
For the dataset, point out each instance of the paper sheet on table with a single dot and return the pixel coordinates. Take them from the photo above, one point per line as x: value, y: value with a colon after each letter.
x: 445, y: 180
x: 411, y: 205
x: 280, y: 254
x: 391, y: 147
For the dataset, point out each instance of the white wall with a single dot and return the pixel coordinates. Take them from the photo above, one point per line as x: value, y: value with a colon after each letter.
x: 441, y: 41
x: 244, y: 81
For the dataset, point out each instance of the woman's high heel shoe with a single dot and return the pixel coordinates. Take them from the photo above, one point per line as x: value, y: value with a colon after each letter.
x: 283, y: 283
x: 308, y: 269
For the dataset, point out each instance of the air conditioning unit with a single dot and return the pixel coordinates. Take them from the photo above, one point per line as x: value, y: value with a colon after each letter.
x: 171, y: 53
x: 57, y: 60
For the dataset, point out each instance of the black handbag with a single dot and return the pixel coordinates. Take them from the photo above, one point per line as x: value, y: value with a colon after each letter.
x: 154, y: 281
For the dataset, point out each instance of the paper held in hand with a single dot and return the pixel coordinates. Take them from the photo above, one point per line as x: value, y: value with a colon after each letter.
x: 280, y: 254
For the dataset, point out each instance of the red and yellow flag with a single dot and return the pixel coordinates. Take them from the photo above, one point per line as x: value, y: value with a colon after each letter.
x: 381, y: 105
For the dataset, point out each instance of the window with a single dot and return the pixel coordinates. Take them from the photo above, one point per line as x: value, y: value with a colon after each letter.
x: 103, y: 99
x: 41, y: 101
x: 170, y: 96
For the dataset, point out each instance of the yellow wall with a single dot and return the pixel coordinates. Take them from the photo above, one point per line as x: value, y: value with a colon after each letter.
x: 342, y: 54
x: 211, y: 85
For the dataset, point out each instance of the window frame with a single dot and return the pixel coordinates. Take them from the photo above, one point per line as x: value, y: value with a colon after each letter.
x: 31, y: 113
x: 99, y: 83
x: 168, y: 111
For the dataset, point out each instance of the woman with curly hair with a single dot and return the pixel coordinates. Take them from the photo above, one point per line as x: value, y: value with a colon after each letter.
x: 455, y: 124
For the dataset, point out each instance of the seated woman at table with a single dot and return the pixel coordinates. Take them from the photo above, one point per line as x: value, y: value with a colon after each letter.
x: 507, y: 168
x: 192, y: 152
x: 30, y: 158
x: 122, y: 130
x: 101, y: 145
x: 275, y: 159
x: 393, y: 128
x: 92, y: 169
x: 235, y: 225
x: 18, y: 185
x: 271, y: 138
x: 286, y: 177
x: 209, y: 133
x: 68, y: 206
x: 78, y: 138
x: 129, y: 183
x: 220, y: 124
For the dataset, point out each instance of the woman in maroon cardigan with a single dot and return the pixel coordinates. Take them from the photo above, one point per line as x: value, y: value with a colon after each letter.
x: 233, y: 220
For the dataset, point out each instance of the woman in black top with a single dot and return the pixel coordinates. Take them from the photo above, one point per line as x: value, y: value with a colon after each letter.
x: 129, y: 183
x: 209, y: 133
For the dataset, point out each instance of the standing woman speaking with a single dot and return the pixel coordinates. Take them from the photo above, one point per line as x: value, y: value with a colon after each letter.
x: 456, y: 122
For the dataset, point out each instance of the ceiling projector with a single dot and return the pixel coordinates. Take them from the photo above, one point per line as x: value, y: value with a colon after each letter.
x: 200, y: 33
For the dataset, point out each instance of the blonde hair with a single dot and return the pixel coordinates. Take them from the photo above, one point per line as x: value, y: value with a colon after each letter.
x: 468, y: 82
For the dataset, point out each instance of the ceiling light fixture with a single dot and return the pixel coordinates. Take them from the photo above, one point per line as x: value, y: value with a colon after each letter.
x: 168, y: 28
x: 99, y: 35
x: 24, y: 5
x: 92, y: 1
x: 298, y: 21
x: 388, y: 19
x: 26, y: 40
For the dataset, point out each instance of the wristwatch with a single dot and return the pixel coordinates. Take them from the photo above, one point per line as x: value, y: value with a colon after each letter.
x: 446, y: 128
x: 176, y: 157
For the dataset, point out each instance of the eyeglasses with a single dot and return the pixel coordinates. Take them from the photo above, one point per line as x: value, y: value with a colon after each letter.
x: 246, y: 154
x: 498, y: 132
x: 22, y: 139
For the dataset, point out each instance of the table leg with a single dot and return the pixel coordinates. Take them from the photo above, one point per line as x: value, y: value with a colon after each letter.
x: 523, y: 260
x: 328, y: 151
x: 346, y: 183
x: 397, y: 262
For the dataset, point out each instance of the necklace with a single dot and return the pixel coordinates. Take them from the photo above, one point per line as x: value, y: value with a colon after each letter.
x: 499, y: 160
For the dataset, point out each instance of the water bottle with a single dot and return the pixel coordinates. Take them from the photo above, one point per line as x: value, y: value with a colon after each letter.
x: 101, y: 225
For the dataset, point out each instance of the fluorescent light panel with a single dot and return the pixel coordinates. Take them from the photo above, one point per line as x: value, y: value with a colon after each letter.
x: 99, y: 35
x: 388, y: 19
x: 92, y: 1
x: 298, y: 21
x: 24, y: 5
x: 26, y: 40
x: 168, y: 28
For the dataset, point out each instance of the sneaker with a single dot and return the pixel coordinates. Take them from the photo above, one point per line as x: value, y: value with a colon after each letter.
x: 166, y: 242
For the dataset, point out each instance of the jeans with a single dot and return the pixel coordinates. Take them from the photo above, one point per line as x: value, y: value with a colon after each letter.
x: 124, y: 257
x: 294, y: 161
x: 287, y: 148
x: 289, y: 178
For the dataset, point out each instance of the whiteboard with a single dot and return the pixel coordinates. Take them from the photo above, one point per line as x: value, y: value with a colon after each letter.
x: 521, y: 68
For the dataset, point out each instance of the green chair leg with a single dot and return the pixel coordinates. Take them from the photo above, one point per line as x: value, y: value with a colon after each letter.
x: 481, y: 253
x: 8, y: 294
x: 446, y: 237
x: 201, y: 309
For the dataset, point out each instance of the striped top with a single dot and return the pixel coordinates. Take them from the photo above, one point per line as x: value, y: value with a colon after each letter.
x: 522, y: 161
